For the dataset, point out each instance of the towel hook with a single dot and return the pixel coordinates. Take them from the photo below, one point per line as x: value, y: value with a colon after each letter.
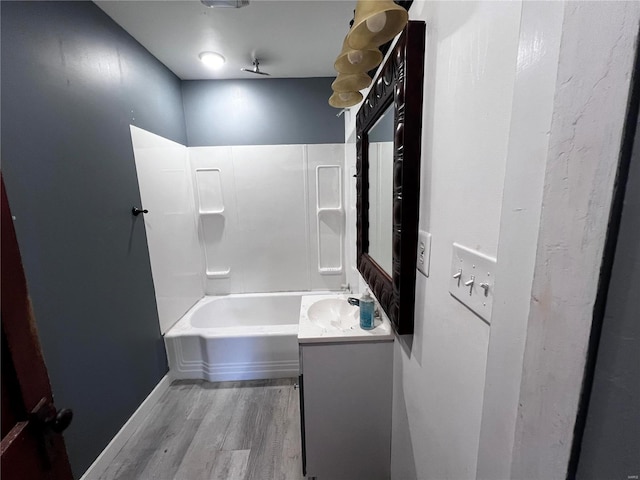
x: 136, y: 211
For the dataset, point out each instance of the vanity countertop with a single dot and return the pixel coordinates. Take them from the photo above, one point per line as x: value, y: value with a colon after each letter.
x: 346, y: 330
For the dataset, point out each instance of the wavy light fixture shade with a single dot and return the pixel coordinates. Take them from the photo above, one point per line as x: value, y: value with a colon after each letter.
x: 375, y: 23
x: 356, y: 61
x: 345, y: 99
x: 350, y: 82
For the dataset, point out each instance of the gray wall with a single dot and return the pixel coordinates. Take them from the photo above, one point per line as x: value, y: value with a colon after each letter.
x: 72, y: 82
x: 260, y: 111
x: 383, y: 129
x: 611, y: 444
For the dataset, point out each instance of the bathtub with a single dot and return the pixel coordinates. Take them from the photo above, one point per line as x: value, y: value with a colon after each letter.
x: 236, y: 337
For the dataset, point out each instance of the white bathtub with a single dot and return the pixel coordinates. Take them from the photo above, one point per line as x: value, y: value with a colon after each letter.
x: 236, y: 337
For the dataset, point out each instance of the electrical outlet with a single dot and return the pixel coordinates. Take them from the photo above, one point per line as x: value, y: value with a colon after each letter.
x: 424, y: 252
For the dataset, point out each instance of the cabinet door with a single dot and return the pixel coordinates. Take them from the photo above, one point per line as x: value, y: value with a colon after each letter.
x: 302, y: 436
x: 347, y: 410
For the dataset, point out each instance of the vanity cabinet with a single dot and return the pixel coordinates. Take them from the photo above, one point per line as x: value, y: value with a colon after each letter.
x: 345, y: 405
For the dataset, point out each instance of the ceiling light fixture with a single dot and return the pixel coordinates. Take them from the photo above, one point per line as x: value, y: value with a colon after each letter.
x: 376, y: 22
x: 357, y: 61
x: 345, y: 99
x: 212, y: 59
x: 351, y: 82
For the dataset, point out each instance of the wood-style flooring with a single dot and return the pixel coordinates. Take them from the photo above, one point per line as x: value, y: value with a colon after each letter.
x: 220, y: 431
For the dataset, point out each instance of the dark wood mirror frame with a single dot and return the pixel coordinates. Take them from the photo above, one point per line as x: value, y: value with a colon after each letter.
x: 399, y: 83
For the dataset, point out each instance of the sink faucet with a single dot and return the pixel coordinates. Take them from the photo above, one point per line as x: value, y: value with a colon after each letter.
x: 353, y: 301
x: 346, y: 288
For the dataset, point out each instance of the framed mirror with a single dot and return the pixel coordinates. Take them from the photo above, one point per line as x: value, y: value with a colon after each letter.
x: 389, y: 132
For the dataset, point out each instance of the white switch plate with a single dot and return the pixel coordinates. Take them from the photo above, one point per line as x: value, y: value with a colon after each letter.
x: 482, y: 267
x: 424, y: 252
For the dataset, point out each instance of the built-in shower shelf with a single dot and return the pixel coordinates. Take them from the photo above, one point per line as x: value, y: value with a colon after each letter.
x: 330, y: 270
x: 211, y: 212
x: 218, y: 273
x: 330, y: 209
x: 329, y: 219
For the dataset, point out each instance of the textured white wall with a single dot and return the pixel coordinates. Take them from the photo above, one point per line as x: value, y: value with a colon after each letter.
x: 595, y: 66
x: 470, y: 66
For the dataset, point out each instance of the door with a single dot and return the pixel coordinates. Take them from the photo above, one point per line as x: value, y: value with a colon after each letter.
x: 32, y: 446
x: 607, y: 443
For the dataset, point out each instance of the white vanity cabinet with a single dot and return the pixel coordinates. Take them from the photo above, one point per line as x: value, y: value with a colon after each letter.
x: 345, y: 400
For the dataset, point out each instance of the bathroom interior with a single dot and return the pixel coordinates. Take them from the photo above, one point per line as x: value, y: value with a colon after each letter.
x: 183, y: 227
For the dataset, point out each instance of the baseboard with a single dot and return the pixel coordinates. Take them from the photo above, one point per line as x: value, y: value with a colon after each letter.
x: 117, y: 442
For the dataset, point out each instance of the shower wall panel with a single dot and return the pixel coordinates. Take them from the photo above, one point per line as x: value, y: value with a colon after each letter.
x: 270, y: 194
x: 218, y: 231
x: 326, y: 213
x: 174, y: 251
x: 279, y: 217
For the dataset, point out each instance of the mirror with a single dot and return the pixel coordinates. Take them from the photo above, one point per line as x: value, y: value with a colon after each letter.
x: 381, y: 190
x: 388, y: 178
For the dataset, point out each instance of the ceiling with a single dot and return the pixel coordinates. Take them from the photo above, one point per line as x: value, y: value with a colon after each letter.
x: 291, y: 38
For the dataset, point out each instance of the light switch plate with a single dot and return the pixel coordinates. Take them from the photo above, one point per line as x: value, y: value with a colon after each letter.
x: 424, y: 252
x: 476, y: 266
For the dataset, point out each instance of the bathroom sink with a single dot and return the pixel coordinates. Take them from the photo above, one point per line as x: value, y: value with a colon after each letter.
x: 330, y: 318
x: 333, y: 312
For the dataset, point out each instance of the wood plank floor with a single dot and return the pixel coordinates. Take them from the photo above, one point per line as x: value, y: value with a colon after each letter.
x: 219, y: 431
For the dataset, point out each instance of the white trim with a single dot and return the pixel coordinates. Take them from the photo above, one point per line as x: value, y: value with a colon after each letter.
x: 117, y: 442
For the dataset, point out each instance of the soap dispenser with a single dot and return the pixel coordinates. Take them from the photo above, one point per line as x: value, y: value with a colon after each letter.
x: 366, y: 311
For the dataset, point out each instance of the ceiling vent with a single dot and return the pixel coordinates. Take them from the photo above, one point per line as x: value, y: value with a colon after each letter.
x: 225, y: 3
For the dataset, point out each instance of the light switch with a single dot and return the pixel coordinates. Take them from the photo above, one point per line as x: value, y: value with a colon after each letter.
x: 472, y: 280
x: 424, y: 252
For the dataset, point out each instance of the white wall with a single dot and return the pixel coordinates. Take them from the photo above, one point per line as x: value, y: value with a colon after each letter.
x: 174, y: 251
x: 523, y: 108
x: 470, y: 66
x: 278, y: 220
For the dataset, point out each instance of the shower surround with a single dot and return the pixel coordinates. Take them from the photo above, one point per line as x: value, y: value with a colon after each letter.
x: 271, y: 217
x: 234, y: 222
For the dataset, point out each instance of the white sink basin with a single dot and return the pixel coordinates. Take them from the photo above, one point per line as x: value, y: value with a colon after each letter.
x: 330, y: 319
x: 334, y: 312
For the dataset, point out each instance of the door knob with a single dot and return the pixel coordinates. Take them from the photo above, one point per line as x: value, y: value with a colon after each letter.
x: 46, y: 415
x: 61, y: 421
